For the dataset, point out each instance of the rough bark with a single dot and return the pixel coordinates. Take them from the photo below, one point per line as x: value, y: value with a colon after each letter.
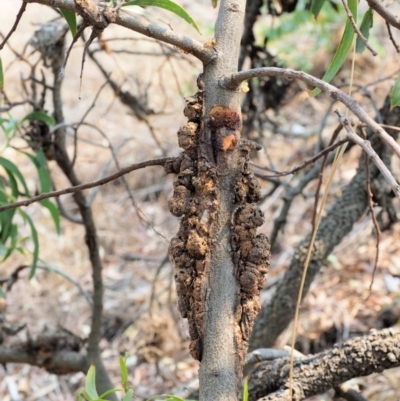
x: 357, y: 357
x: 348, y: 209
x: 219, y: 260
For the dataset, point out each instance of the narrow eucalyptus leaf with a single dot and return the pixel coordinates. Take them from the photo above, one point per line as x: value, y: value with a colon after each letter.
x: 90, y: 383
x: 35, y: 240
x: 70, y: 17
x: 395, y: 94
x: 41, y: 116
x: 316, y: 6
x: 167, y: 5
x: 343, y: 49
x: 366, y: 25
x: 128, y: 396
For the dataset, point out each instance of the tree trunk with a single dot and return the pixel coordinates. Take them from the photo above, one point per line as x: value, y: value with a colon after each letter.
x: 219, y: 260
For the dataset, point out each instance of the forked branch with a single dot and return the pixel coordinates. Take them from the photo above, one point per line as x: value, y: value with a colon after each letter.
x: 235, y: 80
x: 138, y: 24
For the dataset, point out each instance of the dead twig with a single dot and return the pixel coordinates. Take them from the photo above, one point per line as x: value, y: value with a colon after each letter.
x: 371, y: 209
x: 234, y: 81
x: 389, y: 29
x: 81, y: 187
x: 13, y: 278
x: 302, y: 165
x: 366, y: 146
x: 382, y: 10
x: 14, y: 27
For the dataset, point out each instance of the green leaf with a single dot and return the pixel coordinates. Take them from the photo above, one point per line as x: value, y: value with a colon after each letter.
x: 13, y: 169
x: 167, y: 5
x: 245, y: 389
x: 1, y: 75
x: 214, y: 3
x: 13, y: 184
x: 366, y: 25
x: 14, y: 239
x: 90, y: 383
x: 35, y: 240
x: 2, y: 293
x: 41, y: 116
x: 39, y: 160
x: 343, y: 48
x: 395, y: 94
x: 316, y: 6
x: 124, y: 372
x: 54, y: 212
x: 105, y: 394
x: 128, y: 396
x: 70, y: 17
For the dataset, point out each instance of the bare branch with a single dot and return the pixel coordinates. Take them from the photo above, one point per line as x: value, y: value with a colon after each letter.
x: 302, y: 165
x: 81, y: 187
x: 235, y: 80
x: 12, y: 279
x: 366, y: 146
x: 14, y: 27
x: 384, y: 13
x: 396, y: 46
x: 62, y: 362
x: 137, y: 24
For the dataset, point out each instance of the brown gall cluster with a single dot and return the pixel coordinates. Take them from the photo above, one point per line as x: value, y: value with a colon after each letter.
x: 189, y: 248
x: 252, y: 251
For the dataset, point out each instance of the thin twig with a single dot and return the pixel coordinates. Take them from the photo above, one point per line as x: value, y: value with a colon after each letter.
x: 14, y: 27
x: 11, y: 280
x: 164, y: 261
x: 235, y: 80
x: 371, y: 209
x: 82, y: 120
x: 149, y: 29
x: 396, y: 46
x: 357, y: 29
x: 366, y: 146
x: 302, y: 165
x: 335, y: 134
x: 382, y: 10
x: 81, y: 187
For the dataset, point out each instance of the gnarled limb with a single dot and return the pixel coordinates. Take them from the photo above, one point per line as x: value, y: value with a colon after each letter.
x: 357, y: 357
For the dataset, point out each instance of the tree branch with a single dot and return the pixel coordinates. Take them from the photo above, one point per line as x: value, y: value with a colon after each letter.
x: 236, y: 79
x: 62, y: 362
x: 384, y: 13
x: 81, y: 187
x: 366, y: 146
x: 137, y: 24
x: 349, y: 207
x: 357, y: 357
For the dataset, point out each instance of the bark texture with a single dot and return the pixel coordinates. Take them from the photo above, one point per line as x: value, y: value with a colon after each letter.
x: 219, y: 259
x: 357, y: 357
x: 348, y: 209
